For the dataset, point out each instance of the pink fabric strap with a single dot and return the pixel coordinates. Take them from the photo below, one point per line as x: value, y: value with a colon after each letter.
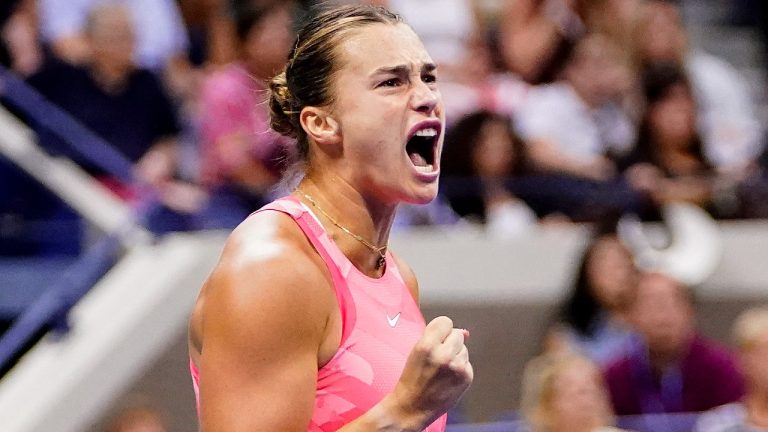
x: 337, y: 264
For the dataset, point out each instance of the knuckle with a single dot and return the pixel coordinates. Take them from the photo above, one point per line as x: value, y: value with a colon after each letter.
x: 422, y: 347
x: 447, y: 322
x: 442, y: 322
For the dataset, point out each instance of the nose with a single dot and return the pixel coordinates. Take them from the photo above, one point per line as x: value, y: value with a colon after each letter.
x: 423, y: 98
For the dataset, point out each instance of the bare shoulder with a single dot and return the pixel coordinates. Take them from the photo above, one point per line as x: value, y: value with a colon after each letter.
x: 258, y: 326
x: 267, y: 265
x: 409, y: 277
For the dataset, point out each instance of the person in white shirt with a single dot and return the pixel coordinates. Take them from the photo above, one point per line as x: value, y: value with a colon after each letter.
x: 161, y: 35
x: 732, y: 135
x: 572, y: 126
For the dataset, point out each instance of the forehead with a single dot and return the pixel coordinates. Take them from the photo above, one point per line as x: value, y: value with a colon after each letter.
x: 379, y: 45
x: 110, y: 20
x: 574, y: 371
x: 657, y: 287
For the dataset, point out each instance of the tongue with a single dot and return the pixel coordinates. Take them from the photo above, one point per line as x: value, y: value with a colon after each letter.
x: 418, y: 160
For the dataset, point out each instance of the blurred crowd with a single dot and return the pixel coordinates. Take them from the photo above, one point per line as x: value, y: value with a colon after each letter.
x: 558, y: 110
x: 626, y: 344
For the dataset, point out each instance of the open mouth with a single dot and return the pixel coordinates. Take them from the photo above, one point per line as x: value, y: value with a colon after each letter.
x: 421, y: 148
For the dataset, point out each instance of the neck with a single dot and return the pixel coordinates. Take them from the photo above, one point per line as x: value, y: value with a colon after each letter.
x: 661, y: 359
x: 109, y: 78
x: 361, y: 215
x: 585, y: 96
x: 676, y: 158
x: 756, y: 402
x: 570, y: 426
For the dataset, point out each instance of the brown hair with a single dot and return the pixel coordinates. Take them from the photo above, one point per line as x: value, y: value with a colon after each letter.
x: 306, y: 78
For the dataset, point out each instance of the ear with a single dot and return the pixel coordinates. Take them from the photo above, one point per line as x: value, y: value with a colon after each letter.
x: 320, y: 125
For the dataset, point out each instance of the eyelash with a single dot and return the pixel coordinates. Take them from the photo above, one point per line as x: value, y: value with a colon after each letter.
x: 429, y: 78
x: 392, y: 82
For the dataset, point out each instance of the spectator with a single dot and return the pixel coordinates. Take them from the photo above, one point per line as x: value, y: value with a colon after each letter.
x: 124, y: 105
x: 157, y: 25
x: 481, y: 154
x: 20, y: 50
x: 478, y: 84
x: 593, y: 321
x: 445, y: 27
x: 572, y: 126
x: 672, y: 368
x: 160, y: 37
x: 616, y: 19
x: 565, y: 393
x: 537, y: 36
x: 470, y: 77
x: 668, y: 162
x: 240, y: 154
x: 211, y: 31
x: 137, y: 418
x: 730, y: 131
x: 750, y: 333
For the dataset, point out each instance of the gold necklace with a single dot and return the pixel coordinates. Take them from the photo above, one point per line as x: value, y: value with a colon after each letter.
x: 380, y: 250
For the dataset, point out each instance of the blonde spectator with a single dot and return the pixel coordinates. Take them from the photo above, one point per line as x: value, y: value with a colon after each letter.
x: 565, y: 393
x: 750, y: 334
x: 137, y: 416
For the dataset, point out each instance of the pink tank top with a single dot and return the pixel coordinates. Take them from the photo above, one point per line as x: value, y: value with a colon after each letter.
x: 380, y: 324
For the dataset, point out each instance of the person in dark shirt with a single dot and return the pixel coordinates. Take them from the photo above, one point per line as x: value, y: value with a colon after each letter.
x: 673, y: 369
x: 124, y: 105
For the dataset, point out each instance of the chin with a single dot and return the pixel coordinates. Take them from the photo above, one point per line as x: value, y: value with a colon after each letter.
x: 421, y: 195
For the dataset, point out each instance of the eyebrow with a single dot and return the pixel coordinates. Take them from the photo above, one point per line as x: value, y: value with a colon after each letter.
x: 403, y: 69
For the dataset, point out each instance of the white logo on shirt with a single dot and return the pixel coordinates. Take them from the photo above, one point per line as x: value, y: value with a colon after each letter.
x: 393, y: 321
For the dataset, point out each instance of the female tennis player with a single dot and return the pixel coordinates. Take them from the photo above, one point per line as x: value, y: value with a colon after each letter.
x: 308, y: 321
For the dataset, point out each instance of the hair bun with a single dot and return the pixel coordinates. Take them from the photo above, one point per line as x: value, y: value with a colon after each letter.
x: 281, y: 105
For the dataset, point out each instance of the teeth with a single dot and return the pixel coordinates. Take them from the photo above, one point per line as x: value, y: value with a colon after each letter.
x: 425, y: 169
x: 428, y: 132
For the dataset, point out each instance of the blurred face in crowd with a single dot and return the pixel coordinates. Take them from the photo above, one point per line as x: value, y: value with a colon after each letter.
x: 611, y: 272
x: 385, y: 94
x: 662, y: 313
x: 596, y: 71
x: 111, y: 37
x: 494, y: 151
x: 268, y: 43
x: 661, y: 36
x: 754, y: 363
x: 137, y: 420
x: 673, y: 119
x: 578, y: 400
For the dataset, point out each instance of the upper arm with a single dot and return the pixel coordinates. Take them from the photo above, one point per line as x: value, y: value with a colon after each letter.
x: 258, y: 366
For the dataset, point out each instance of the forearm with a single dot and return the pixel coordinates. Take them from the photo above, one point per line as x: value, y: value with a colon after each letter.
x: 388, y: 416
x: 548, y: 157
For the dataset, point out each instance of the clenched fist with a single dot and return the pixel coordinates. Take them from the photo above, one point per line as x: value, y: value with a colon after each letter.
x: 436, y: 374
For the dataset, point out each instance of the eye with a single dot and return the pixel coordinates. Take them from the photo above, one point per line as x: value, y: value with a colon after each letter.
x: 429, y: 78
x: 392, y: 82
